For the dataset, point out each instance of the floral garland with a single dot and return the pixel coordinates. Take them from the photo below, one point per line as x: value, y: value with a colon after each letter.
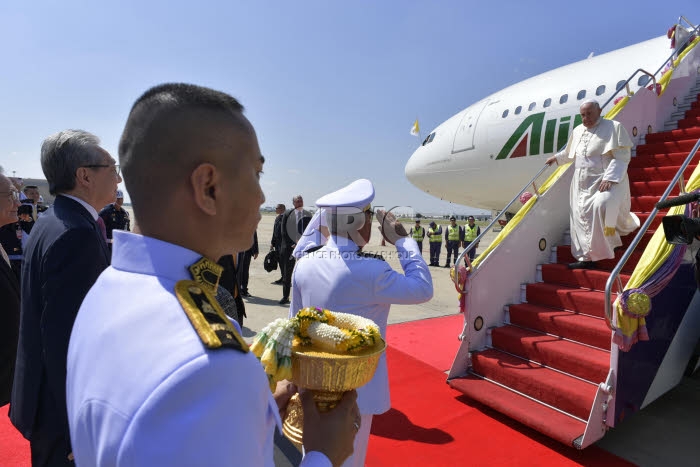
x: 325, y: 329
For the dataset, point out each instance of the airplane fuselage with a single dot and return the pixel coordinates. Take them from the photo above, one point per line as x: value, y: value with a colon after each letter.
x: 482, y: 156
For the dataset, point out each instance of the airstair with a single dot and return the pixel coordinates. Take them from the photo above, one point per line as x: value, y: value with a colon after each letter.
x: 540, y: 344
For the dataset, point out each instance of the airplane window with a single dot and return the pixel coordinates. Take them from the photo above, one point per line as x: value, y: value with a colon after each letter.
x: 620, y: 84
x: 600, y: 90
x: 505, y: 113
x: 563, y: 99
x: 429, y: 139
x: 547, y: 102
x: 518, y: 109
x: 643, y: 80
x: 531, y: 106
x: 581, y: 94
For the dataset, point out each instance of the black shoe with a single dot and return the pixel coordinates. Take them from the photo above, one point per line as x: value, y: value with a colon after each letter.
x: 245, y: 294
x: 582, y: 265
x: 284, y: 301
x: 278, y: 282
x: 447, y: 265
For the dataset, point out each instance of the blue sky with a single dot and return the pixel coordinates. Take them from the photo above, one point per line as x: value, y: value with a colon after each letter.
x: 331, y: 87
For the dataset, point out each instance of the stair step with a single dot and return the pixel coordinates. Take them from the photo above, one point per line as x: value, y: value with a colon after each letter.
x: 692, y: 113
x: 589, y: 302
x: 584, y: 278
x: 684, y: 134
x: 564, y: 257
x: 627, y: 239
x: 689, y: 122
x: 659, y: 173
x: 669, y: 146
x: 586, y: 362
x: 567, y: 324
x: 569, y: 394
x: 653, y: 188
x: 659, y: 160
x: 545, y: 420
x: 644, y: 203
x: 643, y: 217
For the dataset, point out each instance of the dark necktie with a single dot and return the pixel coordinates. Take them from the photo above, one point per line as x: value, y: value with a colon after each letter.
x: 103, y: 228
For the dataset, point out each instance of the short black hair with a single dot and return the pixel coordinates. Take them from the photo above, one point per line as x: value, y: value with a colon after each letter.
x: 156, y: 146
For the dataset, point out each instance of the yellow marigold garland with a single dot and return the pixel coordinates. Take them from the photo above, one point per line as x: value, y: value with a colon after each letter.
x: 327, y: 330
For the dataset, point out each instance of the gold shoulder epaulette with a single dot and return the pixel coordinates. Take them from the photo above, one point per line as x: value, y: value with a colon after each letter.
x: 207, y: 317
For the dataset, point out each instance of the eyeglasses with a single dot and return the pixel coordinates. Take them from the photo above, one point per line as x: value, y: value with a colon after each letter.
x: 14, y: 195
x: 116, y: 168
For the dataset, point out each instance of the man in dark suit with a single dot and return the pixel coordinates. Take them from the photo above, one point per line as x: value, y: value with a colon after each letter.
x: 276, y: 241
x: 64, y: 255
x: 9, y: 294
x: 243, y: 264
x: 294, y: 221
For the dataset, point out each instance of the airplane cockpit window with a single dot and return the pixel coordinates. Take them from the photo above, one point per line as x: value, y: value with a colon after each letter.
x: 531, y: 106
x: 505, y: 113
x: 518, y: 109
x: 563, y: 99
x: 581, y: 94
x: 643, y: 80
x: 429, y: 139
x: 547, y: 102
x: 600, y: 90
x: 620, y: 84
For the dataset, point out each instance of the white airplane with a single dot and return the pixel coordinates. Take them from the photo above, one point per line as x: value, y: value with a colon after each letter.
x: 484, y: 154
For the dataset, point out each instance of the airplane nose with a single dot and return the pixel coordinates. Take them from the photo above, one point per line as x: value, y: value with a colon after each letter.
x: 416, y: 168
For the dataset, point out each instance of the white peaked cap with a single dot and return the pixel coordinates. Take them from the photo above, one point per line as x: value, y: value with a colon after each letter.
x: 120, y: 194
x: 355, y: 197
x: 359, y: 194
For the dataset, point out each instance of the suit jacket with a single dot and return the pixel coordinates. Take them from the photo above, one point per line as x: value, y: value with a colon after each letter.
x: 63, y: 258
x: 277, y: 232
x: 9, y: 328
x: 291, y: 230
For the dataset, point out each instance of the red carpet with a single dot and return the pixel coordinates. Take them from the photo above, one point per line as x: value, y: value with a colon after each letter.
x: 431, y: 424
x: 14, y: 449
x: 410, y: 338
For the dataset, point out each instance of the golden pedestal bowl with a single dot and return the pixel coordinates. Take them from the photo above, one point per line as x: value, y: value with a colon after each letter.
x: 328, y: 376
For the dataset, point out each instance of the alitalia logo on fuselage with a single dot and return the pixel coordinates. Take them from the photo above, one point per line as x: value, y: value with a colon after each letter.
x: 527, y: 138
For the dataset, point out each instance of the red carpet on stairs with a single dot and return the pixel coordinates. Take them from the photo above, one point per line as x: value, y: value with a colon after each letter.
x: 431, y: 424
x: 555, y: 347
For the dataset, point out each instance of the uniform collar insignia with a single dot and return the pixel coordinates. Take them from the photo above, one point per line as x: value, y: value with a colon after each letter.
x: 206, y: 272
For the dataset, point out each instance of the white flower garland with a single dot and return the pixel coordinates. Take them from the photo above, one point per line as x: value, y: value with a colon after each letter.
x: 326, y: 330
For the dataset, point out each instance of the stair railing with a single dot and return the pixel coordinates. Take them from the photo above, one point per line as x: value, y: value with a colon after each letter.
x: 615, y: 274
x: 625, y: 85
x: 484, y: 231
x: 695, y: 30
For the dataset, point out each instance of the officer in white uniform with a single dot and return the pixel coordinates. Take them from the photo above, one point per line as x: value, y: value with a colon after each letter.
x: 157, y: 375
x: 339, y: 277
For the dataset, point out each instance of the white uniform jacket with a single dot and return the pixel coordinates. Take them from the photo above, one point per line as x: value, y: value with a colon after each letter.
x: 337, y: 278
x: 142, y: 389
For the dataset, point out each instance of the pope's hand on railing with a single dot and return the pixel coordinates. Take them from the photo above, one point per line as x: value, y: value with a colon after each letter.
x: 551, y: 160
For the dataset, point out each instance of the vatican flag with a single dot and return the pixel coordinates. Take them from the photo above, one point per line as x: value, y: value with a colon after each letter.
x: 415, y: 129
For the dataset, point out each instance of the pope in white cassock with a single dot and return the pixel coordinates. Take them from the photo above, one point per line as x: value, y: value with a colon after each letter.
x: 338, y: 276
x: 600, y: 192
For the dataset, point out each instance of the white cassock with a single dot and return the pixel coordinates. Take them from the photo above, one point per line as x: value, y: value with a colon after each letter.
x: 601, y: 153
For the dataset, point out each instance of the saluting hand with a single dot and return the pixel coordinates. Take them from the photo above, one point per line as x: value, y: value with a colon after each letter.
x: 391, y: 229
